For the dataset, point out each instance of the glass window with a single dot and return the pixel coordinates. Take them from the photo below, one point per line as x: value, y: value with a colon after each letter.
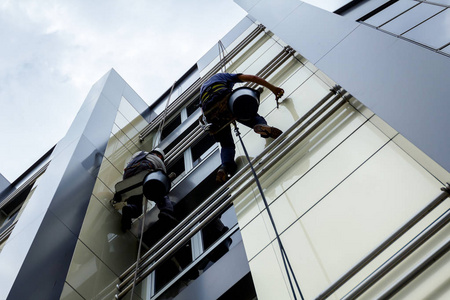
x: 390, y: 12
x: 179, y: 138
x: 200, y: 150
x: 330, y: 5
x: 443, y: 2
x: 198, y: 269
x: 411, y: 18
x: 446, y: 49
x: 243, y: 290
x: 168, y: 128
x: 214, y: 230
x: 192, y: 107
x: 173, y: 266
x: 128, y: 111
x: 178, y: 168
x: 121, y: 121
x: 9, y: 220
x: 435, y: 32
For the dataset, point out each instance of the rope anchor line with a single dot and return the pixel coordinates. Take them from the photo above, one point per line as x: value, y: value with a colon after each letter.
x: 287, y: 264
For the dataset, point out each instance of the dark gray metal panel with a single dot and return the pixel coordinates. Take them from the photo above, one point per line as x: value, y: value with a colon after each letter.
x: 4, y: 183
x: 247, y: 4
x: 71, y: 199
x: 95, y: 91
x: 403, y: 83
x: 273, y: 16
x: 45, y: 236
x: 5, y: 188
x: 313, y: 32
x: 95, y: 115
x: 43, y: 272
x: 363, y: 8
x: 98, y: 128
x: 219, y: 278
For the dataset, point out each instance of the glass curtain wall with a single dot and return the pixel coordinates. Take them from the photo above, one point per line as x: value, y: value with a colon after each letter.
x: 103, y: 251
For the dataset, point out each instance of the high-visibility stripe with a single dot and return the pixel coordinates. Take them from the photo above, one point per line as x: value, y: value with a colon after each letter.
x: 213, y: 89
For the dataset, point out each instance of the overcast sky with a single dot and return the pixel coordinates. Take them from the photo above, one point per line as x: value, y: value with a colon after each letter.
x: 53, y: 51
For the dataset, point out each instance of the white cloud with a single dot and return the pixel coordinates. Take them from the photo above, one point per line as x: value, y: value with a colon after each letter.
x: 54, y: 51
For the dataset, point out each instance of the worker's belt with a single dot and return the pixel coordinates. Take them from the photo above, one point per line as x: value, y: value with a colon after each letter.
x: 216, y: 114
x: 217, y: 88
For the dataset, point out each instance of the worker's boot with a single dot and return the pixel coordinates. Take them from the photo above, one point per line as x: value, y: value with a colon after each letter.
x: 222, y: 175
x: 267, y: 131
x: 225, y: 172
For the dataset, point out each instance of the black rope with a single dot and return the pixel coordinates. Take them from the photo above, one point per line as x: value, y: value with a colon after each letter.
x: 287, y: 264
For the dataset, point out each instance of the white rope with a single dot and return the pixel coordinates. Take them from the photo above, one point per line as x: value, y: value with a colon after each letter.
x: 161, y: 124
x: 139, y: 247
x: 222, y: 54
x: 160, y: 128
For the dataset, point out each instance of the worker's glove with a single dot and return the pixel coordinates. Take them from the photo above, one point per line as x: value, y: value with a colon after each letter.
x: 172, y: 176
x: 119, y: 205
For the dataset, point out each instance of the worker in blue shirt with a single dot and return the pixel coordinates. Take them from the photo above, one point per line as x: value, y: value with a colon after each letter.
x: 213, y: 95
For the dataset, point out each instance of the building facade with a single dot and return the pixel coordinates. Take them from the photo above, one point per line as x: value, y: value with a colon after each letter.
x: 354, y: 195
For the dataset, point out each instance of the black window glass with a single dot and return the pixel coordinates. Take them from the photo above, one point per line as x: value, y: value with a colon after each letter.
x: 177, y: 167
x: 180, y: 137
x: 201, y: 148
x: 168, y: 128
x: 191, y: 108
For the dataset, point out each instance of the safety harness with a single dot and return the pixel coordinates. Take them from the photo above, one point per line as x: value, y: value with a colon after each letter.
x: 214, y: 103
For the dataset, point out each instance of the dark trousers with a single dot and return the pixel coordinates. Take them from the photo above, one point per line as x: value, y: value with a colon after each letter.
x: 133, y: 209
x: 225, y: 138
x: 135, y: 203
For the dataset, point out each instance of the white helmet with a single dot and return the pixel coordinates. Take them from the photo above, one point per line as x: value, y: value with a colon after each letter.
x: 159, y: 151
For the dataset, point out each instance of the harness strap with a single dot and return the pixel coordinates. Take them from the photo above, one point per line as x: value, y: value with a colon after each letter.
x: 210, y: 90
x: 138, y: 167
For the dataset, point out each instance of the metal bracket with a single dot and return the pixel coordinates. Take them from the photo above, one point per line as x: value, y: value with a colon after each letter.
x: 446, y: 189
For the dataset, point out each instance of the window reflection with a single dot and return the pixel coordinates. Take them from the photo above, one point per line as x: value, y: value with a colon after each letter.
x: 201, y: 150
x: 434, y: 32
x: 446, y: 49
x: 178, y: 167
x: 411, y: 18
x: 192, y: 107
x: 168, y: 128
x: 201, y: 268
x: 390, y: 12
x: 127, y: 110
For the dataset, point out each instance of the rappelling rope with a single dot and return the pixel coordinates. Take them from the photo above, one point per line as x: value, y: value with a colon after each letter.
x: 139, y: 248
x: 158, y: 133
x: 222, y: 55
x: 161, y: 124
x: 287, y: 264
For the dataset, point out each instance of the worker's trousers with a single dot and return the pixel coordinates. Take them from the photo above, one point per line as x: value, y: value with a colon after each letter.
x: 225, y: 138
